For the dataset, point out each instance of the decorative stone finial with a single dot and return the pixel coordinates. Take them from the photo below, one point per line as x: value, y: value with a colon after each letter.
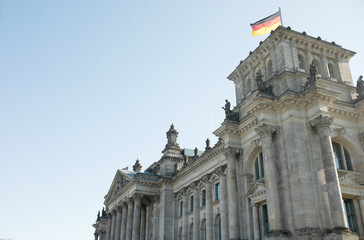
x: 172, y: 135
x: 207, y: 144
x: 360, y: 89
x: 137, y: 167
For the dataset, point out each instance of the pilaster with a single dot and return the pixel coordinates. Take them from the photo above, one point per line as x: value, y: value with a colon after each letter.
x: 322, y: 125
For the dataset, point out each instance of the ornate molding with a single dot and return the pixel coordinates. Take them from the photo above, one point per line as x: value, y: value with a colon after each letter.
x: 338, y: 132
x: 361, y: 136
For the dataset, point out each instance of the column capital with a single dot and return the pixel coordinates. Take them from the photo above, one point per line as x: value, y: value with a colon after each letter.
x: 321, y: 122
x: 220, y: 171
x: 233, y: 153
x: 266, y: 130
x: 137, y: 196
x: 253, y: 204
x: 206, y: 178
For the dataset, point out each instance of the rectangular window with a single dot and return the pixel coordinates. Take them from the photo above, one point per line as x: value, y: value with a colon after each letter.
x: 217, y: 191
x: 191, y: 203
x: 337, y: 155
x: 350, y: 215
x: 261, y: 164
x: 180, y: 208
x: 265, y: 219
x: 203, y: 203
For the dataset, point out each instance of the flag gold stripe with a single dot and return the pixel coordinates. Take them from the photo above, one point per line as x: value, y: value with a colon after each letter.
x: 265, y: 29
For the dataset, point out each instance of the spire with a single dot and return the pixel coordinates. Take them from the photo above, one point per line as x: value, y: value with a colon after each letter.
x: 137, y: 167
x: 172, y: 144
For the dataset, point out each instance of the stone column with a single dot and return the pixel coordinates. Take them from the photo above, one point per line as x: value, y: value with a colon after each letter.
x: 208, y: 208
x: 255, y: 222
x: 322, y: 125
x: 247, y: 179
x: 109, y: 221
x: 142, y: 223
x: 184, y: 216
x: 196, y: 212
x: 265, y: 132
x: 113, y: 225
x: 124, y: 207
x: 129, y: 221
x: 223, y: 203
x: 147, y: 221
x: 136, y: 218
x: 231, y: 156
x: 118, y: 224
x: 155, y: 218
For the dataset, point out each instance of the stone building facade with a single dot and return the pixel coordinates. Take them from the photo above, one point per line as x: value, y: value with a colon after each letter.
x: 289, y: 163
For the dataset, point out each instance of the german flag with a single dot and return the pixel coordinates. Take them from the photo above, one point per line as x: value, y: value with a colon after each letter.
x: 266, y: 24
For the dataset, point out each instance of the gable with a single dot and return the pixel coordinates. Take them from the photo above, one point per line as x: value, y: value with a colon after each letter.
x: 257, y: 187
x: 119, y: 182
x: 350, y: 179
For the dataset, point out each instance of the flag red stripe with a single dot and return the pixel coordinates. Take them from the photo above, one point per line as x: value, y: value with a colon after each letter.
x: 266, y: 24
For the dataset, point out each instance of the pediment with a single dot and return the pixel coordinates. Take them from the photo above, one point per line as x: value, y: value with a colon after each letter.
x: 189, y: 191
x: 213, y: 177
x: 200, y: 185
x: 350, y: 179
x: 120, y: 181
x: 257, y: 187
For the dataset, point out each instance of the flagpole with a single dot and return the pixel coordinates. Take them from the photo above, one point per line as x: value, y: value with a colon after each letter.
x: 280, y: 13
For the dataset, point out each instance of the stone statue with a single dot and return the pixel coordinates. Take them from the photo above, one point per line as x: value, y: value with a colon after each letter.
x: 259, y: 79
x: 137, y: 166
x: 98, y: 216
x: 313, y: 75
x: 360, y: 89
x: 196, y: 152
x: 261, y: 85
x: 229, y: 114
x: 207, y: 144
x: 227, y: 108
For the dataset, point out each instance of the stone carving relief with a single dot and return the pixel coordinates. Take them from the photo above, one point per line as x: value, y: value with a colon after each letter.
x: 122, y: 182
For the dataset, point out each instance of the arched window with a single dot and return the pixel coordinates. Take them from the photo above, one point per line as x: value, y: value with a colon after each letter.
x: 217, y: 227
x: 342, y: 157
x: 301, y: 62
x: 269, y: 68
x: 190, y: 232
x: 203, y: 230
x: 248, y: 86
x: 318, y: 66
x: 259, y: 166
x: 331, y: 70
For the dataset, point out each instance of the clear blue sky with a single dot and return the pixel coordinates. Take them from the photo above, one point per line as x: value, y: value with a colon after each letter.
x: 87, y: 87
